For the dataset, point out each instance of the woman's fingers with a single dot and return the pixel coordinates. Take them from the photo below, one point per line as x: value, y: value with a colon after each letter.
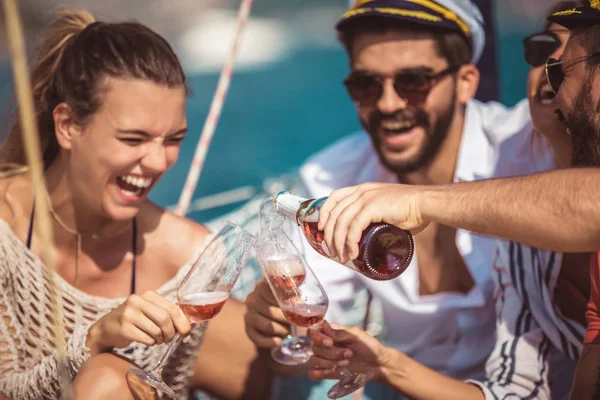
x: 140, y: 335
x: 262, y: 341
x: 319, y: 339
x: 266, y: 326
x: 322, y: 374
x: 316, y: 362
x: 176, y: 318
x: 332, y: 353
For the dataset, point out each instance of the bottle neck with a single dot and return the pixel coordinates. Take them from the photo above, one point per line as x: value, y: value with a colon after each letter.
x: 287, y: 204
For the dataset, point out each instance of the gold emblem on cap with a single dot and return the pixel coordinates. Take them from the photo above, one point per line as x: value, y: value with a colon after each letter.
x: 409, y: 13
x: 352, y: 13
x: 448, y: 14
x: 595, y: 4
x: 568, y: 12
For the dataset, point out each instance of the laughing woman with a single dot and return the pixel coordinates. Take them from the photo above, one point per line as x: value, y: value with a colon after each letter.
x: 110, y: 102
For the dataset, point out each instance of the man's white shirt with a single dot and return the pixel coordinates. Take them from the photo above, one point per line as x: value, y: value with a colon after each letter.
x: 451, y: 333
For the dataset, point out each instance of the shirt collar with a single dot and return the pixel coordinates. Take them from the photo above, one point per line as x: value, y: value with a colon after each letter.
x: 474, y: 158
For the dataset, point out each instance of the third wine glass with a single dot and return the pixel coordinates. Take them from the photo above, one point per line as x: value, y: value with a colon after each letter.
x: 297, y: 290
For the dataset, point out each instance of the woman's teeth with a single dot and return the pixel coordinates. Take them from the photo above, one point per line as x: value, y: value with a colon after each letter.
x: 132, y: 185
x: 140, y: 182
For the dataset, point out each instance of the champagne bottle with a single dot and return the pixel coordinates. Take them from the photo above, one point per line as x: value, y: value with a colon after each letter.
x: 385, y: 250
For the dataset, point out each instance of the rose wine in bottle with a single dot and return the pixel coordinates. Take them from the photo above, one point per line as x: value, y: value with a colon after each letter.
x: 385, y: 250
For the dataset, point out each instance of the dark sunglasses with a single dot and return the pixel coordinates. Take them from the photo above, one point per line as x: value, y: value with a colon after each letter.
x: 554, y: 71
x: 539, y: 47
x: 366, y: 89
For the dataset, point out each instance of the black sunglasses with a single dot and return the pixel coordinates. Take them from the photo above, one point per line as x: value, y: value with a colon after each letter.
x: 366, y: 89
x: 554, y: 71
x: 539, y: 47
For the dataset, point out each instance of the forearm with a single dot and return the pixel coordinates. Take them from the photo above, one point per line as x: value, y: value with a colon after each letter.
x: 556, y: 210
x: 418, y: 382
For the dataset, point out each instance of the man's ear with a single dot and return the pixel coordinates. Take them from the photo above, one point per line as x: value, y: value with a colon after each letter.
x: 65, y: 126
x: 467, y: 80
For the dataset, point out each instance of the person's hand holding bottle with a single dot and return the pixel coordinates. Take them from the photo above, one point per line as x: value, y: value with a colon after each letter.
x: 349, y: 211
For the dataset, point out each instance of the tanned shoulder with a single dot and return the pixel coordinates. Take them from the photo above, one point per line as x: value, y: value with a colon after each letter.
x: 179, y: 238
x: 16, y: 201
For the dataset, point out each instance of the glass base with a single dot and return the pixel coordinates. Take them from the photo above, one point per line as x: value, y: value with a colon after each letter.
x: 293, y: 351
x: 152, y: 380
x: 348, y: 384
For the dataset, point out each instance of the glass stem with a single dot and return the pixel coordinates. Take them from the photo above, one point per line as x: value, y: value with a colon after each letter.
x: 294, y: 331
x: 157, y: 371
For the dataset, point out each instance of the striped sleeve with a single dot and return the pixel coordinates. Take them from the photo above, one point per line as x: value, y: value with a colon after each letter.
x: 518, y: 367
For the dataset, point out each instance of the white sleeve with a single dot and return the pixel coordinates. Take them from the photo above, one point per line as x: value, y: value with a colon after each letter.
x: 518, y: 367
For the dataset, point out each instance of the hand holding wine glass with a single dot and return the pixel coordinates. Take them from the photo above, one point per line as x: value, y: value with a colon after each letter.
x: 147, y: 318
x: 349, y: 354
x: 202, y: 293
x: 265, y: 323
x: 297, y: 291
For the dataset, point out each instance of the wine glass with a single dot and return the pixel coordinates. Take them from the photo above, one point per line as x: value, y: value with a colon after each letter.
x: 353, y: 378
x: 297, y: 290
x: 271, y: 223
x: 202, y: 293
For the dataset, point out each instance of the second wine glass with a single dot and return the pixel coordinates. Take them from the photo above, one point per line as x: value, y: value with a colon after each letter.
x: 202, y: 293
x: 297, y: 290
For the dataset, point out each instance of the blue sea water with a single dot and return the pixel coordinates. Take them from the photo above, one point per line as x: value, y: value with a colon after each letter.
x: 276, y: 117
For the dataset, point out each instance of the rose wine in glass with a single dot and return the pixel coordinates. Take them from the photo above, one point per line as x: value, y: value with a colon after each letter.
x: 290, y: 274
x: 203, y: 292
x: 202, y: 306
x: 271, y: 223
x: 385, y: 251
x: 297, y: 290
x: 304, y: 315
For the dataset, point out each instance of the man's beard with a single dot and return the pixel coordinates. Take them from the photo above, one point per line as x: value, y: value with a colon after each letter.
x: 434, y: 136
x: 585, y: 132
